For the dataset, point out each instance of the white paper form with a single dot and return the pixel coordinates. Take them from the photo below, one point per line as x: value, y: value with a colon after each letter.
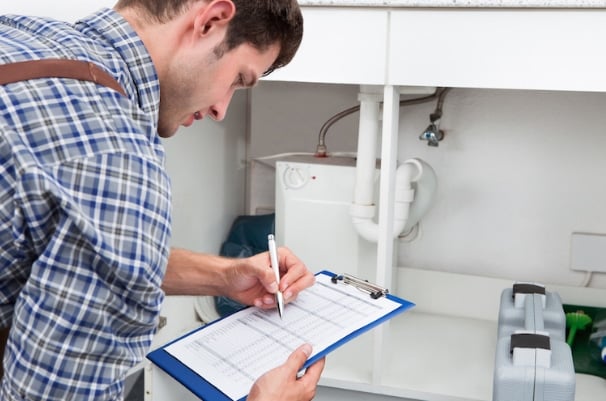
x: 233, y: 352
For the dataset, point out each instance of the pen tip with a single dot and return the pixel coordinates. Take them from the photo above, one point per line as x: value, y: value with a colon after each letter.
x: 280, y: 303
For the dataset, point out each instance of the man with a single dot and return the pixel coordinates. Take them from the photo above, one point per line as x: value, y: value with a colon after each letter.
x: 85, y: 199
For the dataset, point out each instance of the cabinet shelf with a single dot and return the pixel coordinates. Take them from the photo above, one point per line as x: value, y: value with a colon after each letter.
x: 429, y: 357
x: 499, y: 48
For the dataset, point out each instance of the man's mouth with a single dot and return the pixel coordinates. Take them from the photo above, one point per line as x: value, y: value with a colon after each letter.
x: 196, y: 116
x: 189, y: 121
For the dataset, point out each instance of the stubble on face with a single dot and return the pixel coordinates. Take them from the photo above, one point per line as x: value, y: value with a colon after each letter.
x: 184, y: 81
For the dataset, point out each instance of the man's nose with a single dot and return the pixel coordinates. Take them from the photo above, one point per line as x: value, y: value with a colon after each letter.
x: 218, y: 111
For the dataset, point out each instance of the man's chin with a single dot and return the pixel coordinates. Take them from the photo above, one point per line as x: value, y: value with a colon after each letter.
x: 169, y: 135
x: 167, y: 132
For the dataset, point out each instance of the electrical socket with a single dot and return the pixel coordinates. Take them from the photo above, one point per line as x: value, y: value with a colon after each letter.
x: 588, y: 252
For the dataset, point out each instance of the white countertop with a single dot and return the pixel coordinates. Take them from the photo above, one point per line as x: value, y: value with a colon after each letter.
x: 460, y: 3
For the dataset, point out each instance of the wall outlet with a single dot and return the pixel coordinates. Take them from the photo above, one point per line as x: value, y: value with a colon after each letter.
x: 588, y: 252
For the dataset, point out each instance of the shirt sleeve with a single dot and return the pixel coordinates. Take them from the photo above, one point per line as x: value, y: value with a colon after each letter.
x: 88, y: 309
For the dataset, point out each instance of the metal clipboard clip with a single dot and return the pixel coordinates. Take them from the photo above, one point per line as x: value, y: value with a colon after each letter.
x: 373, y: 290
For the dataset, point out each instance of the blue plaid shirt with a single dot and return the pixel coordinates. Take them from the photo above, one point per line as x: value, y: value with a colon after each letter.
x: 84, y: 212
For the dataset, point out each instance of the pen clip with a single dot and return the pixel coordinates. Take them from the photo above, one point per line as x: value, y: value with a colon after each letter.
x: 375, y: 291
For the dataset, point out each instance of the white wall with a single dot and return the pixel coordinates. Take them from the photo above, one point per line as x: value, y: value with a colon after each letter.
x: 207, y: 169
x: 288, y: 116
x: 518, y: 172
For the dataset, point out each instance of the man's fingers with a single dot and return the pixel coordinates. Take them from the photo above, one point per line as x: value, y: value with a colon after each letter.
x: 313, y: 372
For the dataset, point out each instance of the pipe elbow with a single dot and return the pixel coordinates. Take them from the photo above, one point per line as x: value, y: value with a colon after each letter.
x: 366, y: 228
x: 410, y: 171
x: 414, y: 179
x: 422, y: 187
x: 362, y: 219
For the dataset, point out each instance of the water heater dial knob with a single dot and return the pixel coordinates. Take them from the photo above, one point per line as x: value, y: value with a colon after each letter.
x: 295, y: 177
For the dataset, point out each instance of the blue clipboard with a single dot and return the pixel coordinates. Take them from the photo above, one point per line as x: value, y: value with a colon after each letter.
x: 203, y: 389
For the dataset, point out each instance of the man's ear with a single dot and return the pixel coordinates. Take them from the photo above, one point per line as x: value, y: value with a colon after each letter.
x: 213, y: 15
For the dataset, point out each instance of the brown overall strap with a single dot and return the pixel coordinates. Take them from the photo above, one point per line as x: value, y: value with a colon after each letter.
x: 57, y: 68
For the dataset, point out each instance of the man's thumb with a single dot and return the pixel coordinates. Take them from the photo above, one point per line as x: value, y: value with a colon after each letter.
x: 299, y: 356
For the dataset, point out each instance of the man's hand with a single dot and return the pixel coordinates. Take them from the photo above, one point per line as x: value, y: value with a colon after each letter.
x: 282, y: 384
x: 251, y: 280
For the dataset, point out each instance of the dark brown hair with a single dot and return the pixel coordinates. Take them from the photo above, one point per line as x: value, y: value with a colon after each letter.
x: 260, y: 23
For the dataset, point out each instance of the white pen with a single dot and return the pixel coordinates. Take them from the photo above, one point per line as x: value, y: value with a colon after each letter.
x: 273, y: 257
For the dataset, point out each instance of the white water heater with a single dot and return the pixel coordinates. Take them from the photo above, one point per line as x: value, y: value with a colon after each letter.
x: 313, y: 200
